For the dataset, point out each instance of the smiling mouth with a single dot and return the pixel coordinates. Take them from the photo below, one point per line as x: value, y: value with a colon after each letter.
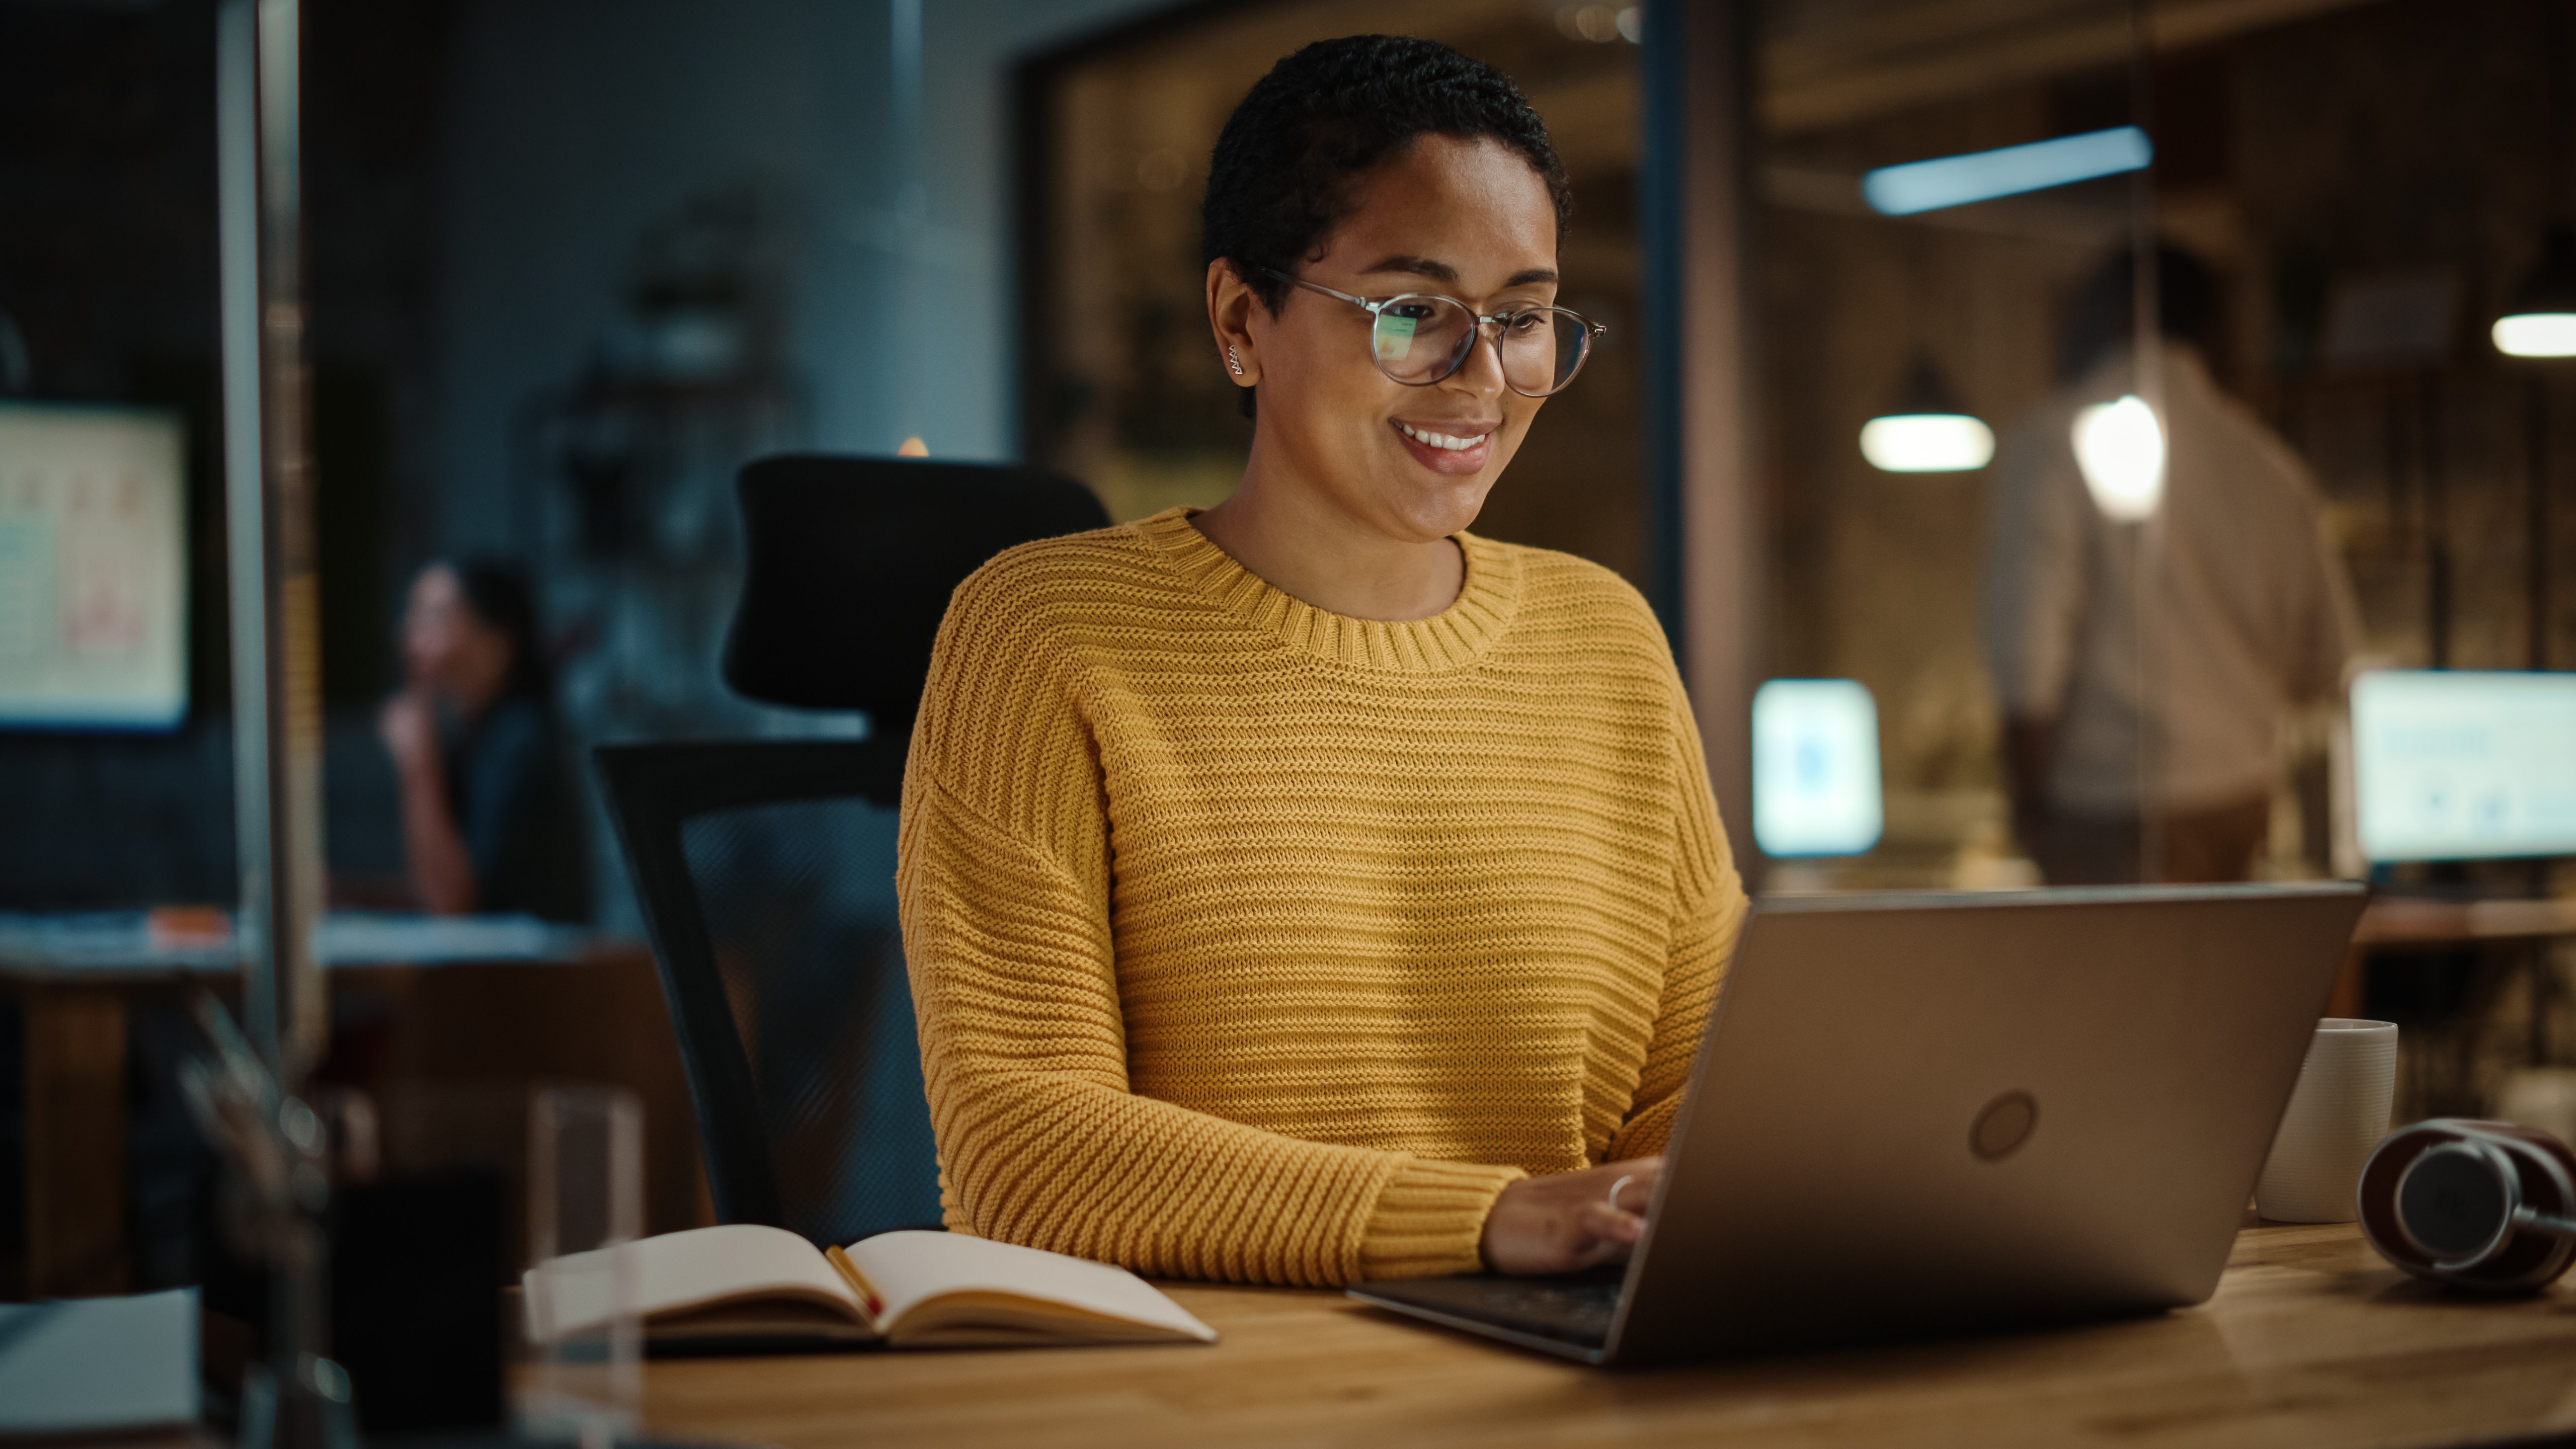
x: 1451, y: 442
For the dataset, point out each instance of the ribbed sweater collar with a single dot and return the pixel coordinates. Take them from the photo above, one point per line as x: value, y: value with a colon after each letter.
x: 1454, y: 638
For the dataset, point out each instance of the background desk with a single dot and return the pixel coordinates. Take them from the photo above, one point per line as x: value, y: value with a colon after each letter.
x: 2311, y: 1340
x: 2439, y: 1073
x: 2400, y: 924
x: 476, y: 999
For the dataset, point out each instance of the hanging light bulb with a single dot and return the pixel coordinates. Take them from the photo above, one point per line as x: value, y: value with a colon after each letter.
x: 2540, y: 321
x: 2120, y: 447
x: 1927, y: 432
x: 1927, y: 442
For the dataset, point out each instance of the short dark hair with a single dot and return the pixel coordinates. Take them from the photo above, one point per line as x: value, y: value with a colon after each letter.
x: 502, y: 596
x: 2102, y: 313
x: 1281, y: 177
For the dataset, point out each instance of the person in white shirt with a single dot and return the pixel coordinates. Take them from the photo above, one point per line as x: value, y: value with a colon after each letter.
x: 2147, y: 641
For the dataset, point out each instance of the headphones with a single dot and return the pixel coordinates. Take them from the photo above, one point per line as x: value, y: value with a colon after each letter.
x: 2483, y: 1205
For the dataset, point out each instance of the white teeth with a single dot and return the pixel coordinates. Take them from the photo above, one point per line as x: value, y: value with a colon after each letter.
x: 1439, y: 440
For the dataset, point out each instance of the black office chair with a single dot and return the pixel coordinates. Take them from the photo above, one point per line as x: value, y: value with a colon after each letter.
x: 765, y: 868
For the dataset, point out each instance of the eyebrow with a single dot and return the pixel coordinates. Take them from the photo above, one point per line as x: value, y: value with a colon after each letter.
x: 1443, y: 272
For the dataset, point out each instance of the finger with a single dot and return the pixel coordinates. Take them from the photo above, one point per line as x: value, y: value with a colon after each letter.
x: 1645, y: 1169
x: 1586, y: 1252
x: 1600, y: 1221
x: 1600, y: 1238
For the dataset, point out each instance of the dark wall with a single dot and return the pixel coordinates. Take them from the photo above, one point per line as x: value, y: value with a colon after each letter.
x: 102, y: 823
x: 108, y: 268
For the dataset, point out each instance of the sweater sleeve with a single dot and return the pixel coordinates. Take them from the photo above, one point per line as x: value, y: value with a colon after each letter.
x: 1708, y: 914
x: 1003, y: 878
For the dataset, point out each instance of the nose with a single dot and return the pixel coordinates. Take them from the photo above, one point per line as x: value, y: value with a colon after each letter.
x: 1480, y: 372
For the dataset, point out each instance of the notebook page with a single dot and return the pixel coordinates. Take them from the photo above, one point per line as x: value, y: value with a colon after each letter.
x: 681, y: 1270
x: 907, y: 1267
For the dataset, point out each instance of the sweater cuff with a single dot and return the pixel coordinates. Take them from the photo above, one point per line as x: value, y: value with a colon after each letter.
x: 1430, y: 1219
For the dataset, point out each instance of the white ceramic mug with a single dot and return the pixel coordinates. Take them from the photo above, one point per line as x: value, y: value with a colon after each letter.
x: 2337, y: 1114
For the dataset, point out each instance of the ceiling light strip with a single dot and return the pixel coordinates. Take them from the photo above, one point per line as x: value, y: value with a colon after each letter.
x: 1946, y: 181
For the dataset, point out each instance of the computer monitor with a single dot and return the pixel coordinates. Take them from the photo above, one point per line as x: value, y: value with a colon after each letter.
x: 93, y: 568
x: 2464, y: 764
x: 1815, y: 768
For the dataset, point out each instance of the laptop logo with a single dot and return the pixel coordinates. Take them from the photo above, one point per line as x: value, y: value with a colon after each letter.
x: 2003, y: 1126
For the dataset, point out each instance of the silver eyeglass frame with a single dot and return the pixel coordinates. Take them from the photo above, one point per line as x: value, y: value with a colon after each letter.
x: 1592, y: 331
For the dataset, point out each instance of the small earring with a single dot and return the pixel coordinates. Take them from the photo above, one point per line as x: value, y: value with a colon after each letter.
x: 1233, y: 362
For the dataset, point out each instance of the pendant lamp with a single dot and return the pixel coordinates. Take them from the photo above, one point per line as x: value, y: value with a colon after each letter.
x: 1927, y: 431
x: 2540, y: 321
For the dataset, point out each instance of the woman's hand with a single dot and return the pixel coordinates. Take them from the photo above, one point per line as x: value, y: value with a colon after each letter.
x: 1564, y: 1222
x: 408, y: 725
x: 442, y: 873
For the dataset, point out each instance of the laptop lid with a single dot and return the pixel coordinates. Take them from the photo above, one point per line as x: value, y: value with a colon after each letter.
x: 1925, y: 1111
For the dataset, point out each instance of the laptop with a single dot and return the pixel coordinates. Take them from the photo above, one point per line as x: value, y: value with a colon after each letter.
x: 1928, y: 1113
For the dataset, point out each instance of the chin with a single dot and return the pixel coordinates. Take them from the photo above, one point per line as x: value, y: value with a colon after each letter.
x: 1448, y: 506
x: 1443, y: 505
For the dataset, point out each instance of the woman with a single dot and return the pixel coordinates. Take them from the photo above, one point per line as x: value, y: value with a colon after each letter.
x: 1307, y: 890
x: 489, y: 820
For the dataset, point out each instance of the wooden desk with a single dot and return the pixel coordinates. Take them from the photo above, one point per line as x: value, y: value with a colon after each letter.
x: 2311, y: 1340
x: 475, y: 1000
x: 2399, y: 924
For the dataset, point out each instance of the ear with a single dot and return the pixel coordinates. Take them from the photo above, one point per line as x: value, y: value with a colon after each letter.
x: 1230, y: 308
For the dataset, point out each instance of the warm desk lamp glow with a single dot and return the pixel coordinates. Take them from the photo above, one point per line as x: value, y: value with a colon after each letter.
x: 2120, y: 448
x: 2540, y: 321
x: 1927, y: 431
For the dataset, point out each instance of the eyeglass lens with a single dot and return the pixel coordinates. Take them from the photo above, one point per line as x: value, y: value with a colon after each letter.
x: 1420, y: 340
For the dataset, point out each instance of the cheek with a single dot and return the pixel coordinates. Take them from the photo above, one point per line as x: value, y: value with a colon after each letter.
x: 1322, y: 392
x: 432, y: 645
x: 1518, y: 413
x: 1334, y: 374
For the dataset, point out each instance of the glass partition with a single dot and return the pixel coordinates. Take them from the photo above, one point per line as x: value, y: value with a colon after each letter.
x: 2108, y: 639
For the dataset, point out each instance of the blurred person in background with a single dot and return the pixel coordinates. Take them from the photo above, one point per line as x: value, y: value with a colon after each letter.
x: 489, y: 819
x: 2149, y: 637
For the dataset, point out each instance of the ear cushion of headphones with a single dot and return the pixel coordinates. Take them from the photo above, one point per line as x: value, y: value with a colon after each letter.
x: 2546, y: 1169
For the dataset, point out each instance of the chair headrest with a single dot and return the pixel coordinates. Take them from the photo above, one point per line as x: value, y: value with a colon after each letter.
x: 848, y: 564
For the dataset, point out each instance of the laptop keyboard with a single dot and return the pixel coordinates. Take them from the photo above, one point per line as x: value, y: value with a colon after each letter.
x: 1577, y: 1311
x: 1574, y: 1309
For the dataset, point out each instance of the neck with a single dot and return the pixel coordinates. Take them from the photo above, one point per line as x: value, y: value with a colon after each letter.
x: 1302, y: 543
x: 476, y: 700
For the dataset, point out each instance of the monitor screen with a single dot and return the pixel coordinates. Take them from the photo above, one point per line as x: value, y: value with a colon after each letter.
x: 93, y: 568
x: 2455, y: 764
x: 1815, y: 767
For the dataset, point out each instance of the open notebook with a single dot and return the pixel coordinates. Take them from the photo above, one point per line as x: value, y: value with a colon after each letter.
x: 748, y: 1284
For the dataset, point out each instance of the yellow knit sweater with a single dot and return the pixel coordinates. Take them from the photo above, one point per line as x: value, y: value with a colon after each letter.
x: 1254, y: 942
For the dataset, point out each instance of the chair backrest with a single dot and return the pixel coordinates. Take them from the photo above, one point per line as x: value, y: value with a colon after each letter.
x: 848, y: 564
x: 765, y: 868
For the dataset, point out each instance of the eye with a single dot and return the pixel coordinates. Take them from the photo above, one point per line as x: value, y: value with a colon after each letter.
x: 1522, y: 324
x: 1410, y: 311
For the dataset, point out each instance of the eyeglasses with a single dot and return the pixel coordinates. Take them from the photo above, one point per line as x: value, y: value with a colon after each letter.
x: 1419, y: 338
